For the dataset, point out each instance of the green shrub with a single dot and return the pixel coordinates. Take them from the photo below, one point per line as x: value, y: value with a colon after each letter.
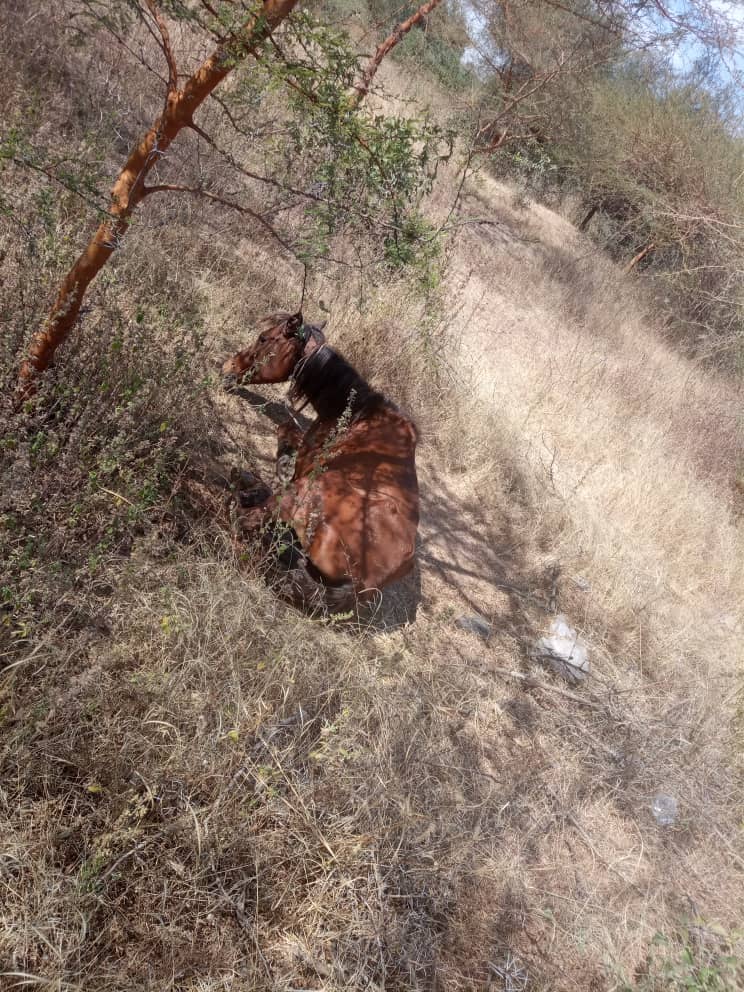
x: 438, y: 56
x: 701, y: 959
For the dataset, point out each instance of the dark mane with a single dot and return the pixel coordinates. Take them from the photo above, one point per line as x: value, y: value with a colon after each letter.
x: 333, y: 386
x: 280, y: 318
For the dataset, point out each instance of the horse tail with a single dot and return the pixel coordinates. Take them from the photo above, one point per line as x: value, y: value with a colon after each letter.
x: 340, y: 599
x: 302, y: 589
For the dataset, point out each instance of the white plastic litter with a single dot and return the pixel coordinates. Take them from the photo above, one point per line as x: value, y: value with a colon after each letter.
x: 564, y: 651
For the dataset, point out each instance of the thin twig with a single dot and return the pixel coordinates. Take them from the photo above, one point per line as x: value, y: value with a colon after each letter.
x: 532, y: 683
x: 165, y: 45
x: 198, y: 191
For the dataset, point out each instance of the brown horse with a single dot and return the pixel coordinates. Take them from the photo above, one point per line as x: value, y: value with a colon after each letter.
x: 352, y: 499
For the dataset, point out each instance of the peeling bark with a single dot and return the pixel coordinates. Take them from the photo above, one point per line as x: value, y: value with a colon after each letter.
x: 129, y: 188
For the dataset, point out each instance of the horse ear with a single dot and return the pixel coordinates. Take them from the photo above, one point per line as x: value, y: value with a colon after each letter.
x: 294, y: 323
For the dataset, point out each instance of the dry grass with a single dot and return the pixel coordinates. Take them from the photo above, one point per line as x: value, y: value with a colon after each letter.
x: 201, y: 789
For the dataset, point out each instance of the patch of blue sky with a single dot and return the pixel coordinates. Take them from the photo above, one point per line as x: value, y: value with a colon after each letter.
x: 687, y: 33
x: 481, y: 54
x: 705, y: 33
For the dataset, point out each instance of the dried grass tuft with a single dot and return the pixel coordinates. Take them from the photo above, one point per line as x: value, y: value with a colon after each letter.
x: 201, y: 789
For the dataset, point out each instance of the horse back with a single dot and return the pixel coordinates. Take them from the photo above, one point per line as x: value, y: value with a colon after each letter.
x: 354, y: 500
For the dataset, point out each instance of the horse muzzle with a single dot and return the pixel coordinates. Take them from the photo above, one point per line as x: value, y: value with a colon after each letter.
x: 233, y: 376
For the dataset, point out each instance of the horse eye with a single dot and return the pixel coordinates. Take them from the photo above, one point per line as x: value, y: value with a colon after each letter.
x: 262, y: 339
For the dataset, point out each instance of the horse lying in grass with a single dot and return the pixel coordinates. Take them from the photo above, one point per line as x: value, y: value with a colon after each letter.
x: 352, y: 499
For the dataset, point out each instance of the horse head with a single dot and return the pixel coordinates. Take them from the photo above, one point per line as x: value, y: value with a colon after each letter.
x: 284, y: 339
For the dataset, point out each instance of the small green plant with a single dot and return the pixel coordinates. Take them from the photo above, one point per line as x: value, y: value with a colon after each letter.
x: 415, y: 243
x: 440, y: 57
x: 90, y: 871
x: 701, y: 959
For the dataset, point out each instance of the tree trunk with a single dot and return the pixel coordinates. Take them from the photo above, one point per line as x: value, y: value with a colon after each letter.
x: 130, y: 188
x: 401, y: 30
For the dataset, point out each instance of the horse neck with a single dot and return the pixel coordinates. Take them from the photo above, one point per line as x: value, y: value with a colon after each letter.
x: 331, y: 384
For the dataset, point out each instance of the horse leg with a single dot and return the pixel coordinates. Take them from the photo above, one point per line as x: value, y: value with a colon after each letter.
x: 255, y: 518
x: 289, y: 439
x: 249, y: 505
x: 248, y: 489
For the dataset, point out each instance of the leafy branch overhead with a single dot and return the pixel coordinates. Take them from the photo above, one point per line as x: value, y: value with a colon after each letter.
x: 349, y: 168
x: 365, y: 171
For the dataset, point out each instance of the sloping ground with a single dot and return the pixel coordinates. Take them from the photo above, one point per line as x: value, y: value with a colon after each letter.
x: 202, y: 789
x: 209, y: 791
x: 583, y: 467
x: 626, y: 456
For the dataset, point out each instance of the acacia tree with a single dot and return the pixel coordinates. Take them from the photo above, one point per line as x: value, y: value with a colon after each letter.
x: 130, y: 187
x: 333, y: 94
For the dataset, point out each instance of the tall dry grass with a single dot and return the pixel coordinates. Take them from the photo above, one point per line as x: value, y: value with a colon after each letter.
x: 203, y: 789
x: 637, y: 452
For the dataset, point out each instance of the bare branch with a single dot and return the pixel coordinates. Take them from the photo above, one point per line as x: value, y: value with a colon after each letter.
x: 27, y: 163
x: 230, y: 204
x: 165, y: 45
x: 215, y: 198
x: 384, y: 48
x: 105, y: 23
x: 248, y: 173
x: 639, y: 257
